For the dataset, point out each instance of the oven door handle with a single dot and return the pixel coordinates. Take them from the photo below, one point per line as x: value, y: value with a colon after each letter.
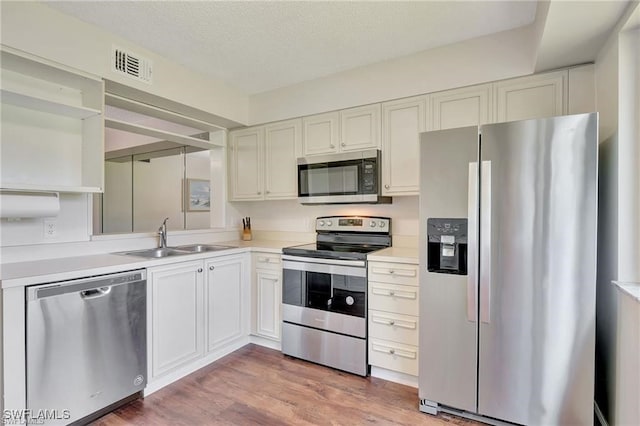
x: 325, y: 261
x: 351, y: 271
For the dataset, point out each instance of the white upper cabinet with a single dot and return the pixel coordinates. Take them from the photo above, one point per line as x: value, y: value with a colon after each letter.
x: 351, y: 129
x: 360, y: 128
x: 283, y: 146
x: 320, y: 133
x: 537, y: 96
x: 468, y: 106
x: 246, y: 164
x: 263, y: 161
x: 402, y: 123
x: 52, y: 126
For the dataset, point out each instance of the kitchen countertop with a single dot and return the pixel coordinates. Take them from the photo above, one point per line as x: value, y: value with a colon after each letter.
x: 67, y: 268
x: 632, y: 289
x: 395, y: 254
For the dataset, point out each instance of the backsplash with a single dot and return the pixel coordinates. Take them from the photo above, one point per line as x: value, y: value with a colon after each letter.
x: 291, y: 216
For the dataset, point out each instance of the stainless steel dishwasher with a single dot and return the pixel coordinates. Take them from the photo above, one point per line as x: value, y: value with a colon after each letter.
x: 86, y: 346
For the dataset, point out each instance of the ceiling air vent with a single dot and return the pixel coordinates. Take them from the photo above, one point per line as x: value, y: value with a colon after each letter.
x: 132, y: 65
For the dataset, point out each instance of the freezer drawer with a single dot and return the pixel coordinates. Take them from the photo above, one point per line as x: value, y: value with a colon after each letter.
x: 86, y: 345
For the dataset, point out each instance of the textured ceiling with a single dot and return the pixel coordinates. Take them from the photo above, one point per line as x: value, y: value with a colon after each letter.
x: 260, y: 46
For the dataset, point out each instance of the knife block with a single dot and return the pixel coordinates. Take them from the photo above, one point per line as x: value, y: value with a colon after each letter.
x: 246, y: 235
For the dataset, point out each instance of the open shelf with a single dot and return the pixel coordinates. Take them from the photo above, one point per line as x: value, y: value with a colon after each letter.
x: 153, y: 111
x: 156, y: 133
x: 45, y: 105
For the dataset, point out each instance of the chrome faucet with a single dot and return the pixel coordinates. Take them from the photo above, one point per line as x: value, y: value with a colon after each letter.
x: 162, y: 231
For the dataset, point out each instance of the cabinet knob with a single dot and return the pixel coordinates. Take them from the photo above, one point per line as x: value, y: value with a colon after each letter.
x: 392, y: 351
x: 391, y: 293
x: 386, y: 186
x: 267, y: 192
x: 392, y: 322
x: 392, y: 272
x: 343, y: 144
x: 211, y: 268
x: 199, y: 269
x: 332, y: 146
x: 259, y: 192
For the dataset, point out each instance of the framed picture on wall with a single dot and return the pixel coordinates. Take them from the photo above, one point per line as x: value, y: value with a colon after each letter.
x: 197, y: 195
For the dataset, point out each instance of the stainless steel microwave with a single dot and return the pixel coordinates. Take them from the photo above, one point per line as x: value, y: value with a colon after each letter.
x: 347, y: 178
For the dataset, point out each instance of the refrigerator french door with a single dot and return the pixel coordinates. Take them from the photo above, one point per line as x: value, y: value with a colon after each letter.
x: 508, y: 255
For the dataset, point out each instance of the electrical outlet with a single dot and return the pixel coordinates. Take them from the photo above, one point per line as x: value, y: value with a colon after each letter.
x: 50, y: 228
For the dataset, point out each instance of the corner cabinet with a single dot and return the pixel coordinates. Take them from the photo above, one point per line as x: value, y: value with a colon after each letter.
x: 351, y: 129
x: 263, y: 161
x: 52, y: 126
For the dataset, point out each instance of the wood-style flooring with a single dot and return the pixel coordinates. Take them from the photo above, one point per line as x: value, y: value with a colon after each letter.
x: 260, y: 386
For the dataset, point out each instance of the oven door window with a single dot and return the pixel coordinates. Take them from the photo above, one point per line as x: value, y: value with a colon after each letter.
x: 342, y: 294
x: 329, y: 179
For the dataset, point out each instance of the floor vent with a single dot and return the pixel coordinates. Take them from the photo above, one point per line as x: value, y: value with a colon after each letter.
x: 131, y: 65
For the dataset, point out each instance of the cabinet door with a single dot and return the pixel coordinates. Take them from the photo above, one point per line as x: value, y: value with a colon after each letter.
x: 246, y: 164
x: 402, y: 123
x: 176, y: 316
x: 268, y: 289
x: 462, y: 107
x: 224, y: 301
x: 282, y: 148
x: 360, y: 128
x: 320, y: 133
x: 537, y: 96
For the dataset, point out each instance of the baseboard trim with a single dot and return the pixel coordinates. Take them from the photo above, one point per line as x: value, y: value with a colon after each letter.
x: 267, y: 343
x: 394, y: 376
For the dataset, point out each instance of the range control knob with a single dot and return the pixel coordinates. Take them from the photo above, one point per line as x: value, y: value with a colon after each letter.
x: 329, y: 223
x: 349, y: 300
x: 321, y: 223
x: 382, y: 224
x: 372, y: 224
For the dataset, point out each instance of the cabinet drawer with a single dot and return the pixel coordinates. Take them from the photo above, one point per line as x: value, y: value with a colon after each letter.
x: 272, y: 261
x: 396, y: 273
x: 394, y: 327
x: 393, y: 298
x: 393, y: 356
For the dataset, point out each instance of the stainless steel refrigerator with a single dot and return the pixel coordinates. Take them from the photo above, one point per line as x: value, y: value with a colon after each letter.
x: 508, y: 270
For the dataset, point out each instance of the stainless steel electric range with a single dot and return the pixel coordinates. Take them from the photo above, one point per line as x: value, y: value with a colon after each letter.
x: 324, y: 292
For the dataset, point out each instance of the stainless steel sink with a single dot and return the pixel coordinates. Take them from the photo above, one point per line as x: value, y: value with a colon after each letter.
x: 200, y: 248
x: 157, y: 252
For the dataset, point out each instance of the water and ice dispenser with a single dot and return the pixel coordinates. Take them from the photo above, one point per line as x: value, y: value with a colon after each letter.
x: 447, y: 246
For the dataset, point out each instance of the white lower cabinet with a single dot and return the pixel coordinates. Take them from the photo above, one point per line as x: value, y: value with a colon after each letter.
x: 195, y: 309
x: 177, y: 316
x: 393, y: 316
x: 267, y: 291
x: 225, y: 296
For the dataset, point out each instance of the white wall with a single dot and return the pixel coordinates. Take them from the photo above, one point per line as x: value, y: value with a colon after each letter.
x: 42, y: 31
x: 494, y: 57
x: 619, y: 186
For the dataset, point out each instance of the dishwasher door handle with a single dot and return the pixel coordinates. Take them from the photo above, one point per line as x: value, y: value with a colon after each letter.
x: 94, y: 293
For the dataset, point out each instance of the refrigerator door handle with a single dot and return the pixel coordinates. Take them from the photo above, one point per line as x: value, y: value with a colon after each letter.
x: 485, y: 249
x: 472, y: 244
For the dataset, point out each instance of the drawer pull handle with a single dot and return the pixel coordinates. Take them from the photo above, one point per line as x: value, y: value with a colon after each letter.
x: 392, y: 351
x: 391, y: 271
x: 392, y: 322
x: 391, y: 293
